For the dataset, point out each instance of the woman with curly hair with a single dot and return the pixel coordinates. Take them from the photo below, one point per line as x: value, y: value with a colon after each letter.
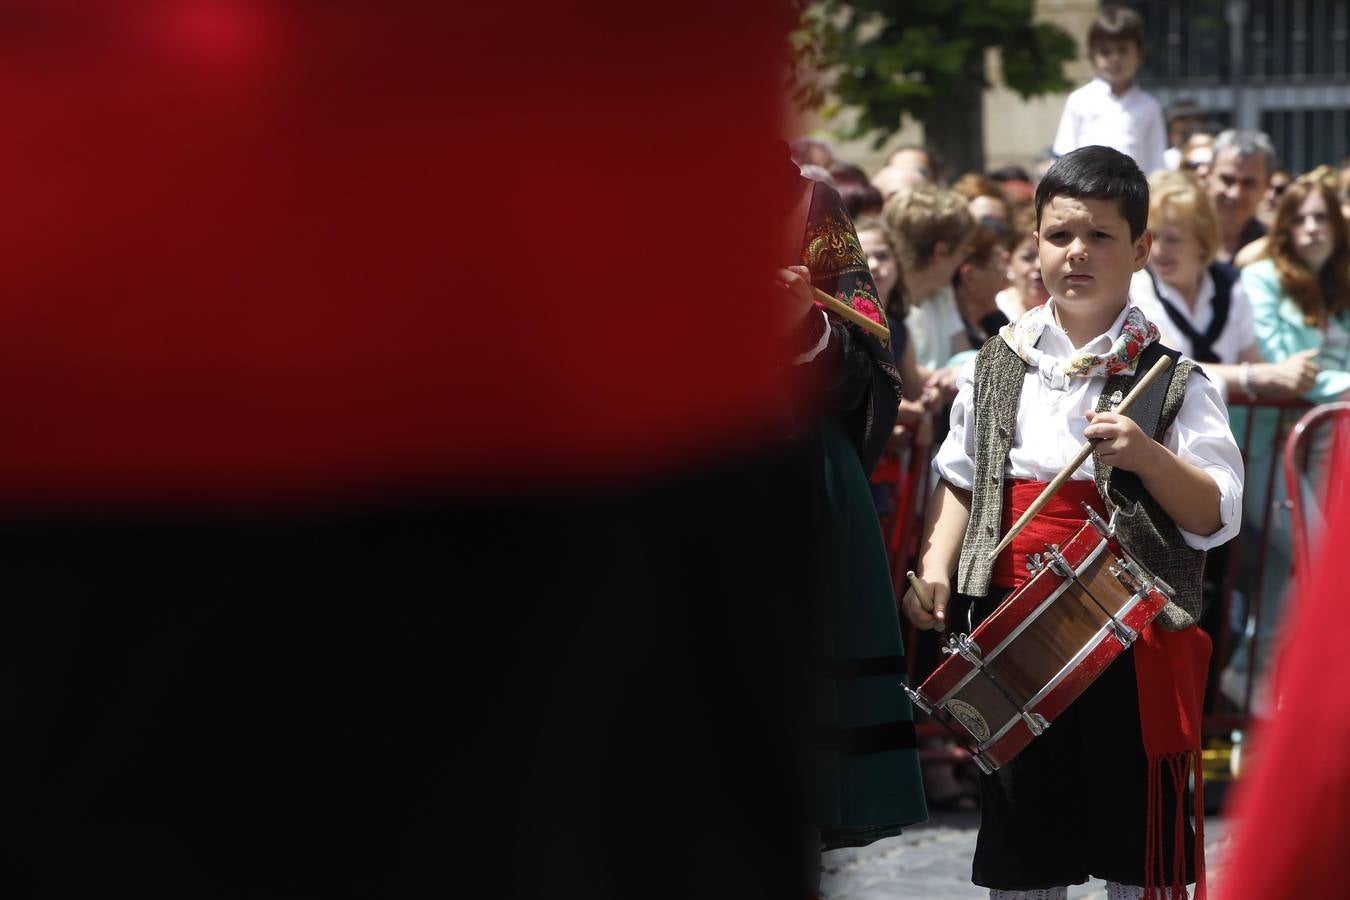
x: 1300, y: 300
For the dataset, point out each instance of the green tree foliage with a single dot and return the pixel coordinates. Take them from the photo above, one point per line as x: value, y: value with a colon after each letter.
x: 920, y: 58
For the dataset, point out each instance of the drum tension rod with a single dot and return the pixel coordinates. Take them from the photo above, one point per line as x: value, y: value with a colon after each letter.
x: 961, y: 645
x: 917, y: 698
x: 1122, y: 632
x: 1144, y: 580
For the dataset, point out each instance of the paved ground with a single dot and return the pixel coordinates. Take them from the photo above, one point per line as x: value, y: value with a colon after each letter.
x: 932, y: 862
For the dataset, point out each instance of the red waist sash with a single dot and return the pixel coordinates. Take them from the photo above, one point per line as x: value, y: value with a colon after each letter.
x: 1054, y: 524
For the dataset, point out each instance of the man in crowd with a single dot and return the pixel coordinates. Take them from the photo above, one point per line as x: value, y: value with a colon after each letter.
x: 1243, y: 163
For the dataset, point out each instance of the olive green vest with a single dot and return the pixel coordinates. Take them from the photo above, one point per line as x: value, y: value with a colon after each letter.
x: 1143, y: 527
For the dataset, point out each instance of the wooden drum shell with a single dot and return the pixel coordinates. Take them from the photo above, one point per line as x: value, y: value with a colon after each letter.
x: 1043, y: 646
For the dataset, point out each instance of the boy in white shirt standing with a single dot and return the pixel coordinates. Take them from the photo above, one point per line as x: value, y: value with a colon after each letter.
x: 1101, y: 793
x: 1110, y: 110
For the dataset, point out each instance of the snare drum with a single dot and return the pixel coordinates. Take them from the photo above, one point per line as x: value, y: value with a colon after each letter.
x: 1084, y: 605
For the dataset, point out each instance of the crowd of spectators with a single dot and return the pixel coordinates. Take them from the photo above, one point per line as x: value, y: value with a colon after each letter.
x: 1249, y: 275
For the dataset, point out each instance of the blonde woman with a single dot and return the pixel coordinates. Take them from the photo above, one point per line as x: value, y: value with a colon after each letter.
x: 1199, y: 304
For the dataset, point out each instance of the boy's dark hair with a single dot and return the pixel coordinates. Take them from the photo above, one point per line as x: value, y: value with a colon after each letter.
x: 1098, y: 173
x: 1117, y: 23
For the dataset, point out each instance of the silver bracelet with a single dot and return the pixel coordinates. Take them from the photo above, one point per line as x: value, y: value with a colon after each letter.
x: 1245, y: 379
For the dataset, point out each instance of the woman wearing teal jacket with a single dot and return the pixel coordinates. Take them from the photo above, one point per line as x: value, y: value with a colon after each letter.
x: 1300, y: 300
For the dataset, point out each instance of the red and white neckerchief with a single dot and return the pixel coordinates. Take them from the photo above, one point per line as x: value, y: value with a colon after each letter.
x: 1136, y: 334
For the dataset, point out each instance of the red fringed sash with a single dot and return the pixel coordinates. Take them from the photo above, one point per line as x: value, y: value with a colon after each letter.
x: 1170, y: 671
x: 1170, y: 668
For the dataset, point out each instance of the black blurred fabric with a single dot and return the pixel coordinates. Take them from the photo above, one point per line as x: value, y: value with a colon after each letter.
x: 577, y: 694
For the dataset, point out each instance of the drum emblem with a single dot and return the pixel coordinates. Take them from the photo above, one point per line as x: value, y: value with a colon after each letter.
x: 970, y: 717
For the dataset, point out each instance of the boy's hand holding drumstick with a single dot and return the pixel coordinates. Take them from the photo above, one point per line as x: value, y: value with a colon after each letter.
x: 925, y: 603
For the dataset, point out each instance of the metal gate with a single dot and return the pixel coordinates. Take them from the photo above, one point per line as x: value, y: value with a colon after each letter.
x: 1277, y: 65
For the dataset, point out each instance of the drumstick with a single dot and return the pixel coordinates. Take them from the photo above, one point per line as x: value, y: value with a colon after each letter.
x: 840, y: 308
x: 922, y: 593
x: 1083, y: 452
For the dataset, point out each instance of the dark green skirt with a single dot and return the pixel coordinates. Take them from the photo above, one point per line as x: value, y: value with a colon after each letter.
x: 866, y: 783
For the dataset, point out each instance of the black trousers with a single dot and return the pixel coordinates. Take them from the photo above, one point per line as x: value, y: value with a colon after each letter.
x: 1074, y: 803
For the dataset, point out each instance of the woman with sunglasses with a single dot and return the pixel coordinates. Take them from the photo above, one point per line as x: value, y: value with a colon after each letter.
x: 1279, y: 180
x: 1265, y: 213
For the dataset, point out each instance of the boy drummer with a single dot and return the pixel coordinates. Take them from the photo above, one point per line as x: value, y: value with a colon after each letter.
x: 1097, y: 794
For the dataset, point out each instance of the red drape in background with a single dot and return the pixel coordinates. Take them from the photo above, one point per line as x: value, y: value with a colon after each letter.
x: 254, y: 251
x: 1293, y: 812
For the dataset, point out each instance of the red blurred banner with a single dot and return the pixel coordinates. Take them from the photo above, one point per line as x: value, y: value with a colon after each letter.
x: 256, y: 251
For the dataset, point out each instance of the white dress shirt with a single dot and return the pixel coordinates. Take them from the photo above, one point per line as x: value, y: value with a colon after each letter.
x: 1131, y: 123
x: 1051, y: 419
